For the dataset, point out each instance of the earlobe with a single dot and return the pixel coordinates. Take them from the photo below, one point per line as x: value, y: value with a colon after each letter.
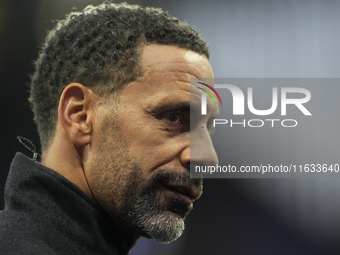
x: 75, y: 115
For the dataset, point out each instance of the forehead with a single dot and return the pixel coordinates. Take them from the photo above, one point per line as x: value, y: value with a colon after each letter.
x: 168, y: 69
x: 161, y: 58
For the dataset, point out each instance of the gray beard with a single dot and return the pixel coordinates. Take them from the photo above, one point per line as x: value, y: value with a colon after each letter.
x: 155, y: 214
x: 154, y: 223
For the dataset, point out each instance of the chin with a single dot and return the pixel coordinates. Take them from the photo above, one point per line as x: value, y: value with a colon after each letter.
x: 165, y: 227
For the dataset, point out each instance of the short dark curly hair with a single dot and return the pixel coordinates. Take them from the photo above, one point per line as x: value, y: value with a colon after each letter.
x: 100, y: 48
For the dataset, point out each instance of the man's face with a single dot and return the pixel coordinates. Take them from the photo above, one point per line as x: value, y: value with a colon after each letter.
x: 140, y: 155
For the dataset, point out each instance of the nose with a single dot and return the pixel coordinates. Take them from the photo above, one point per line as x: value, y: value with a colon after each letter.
x: 201, y: 150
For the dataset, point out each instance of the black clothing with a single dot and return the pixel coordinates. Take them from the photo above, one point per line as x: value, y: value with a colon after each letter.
x: 47, y: 214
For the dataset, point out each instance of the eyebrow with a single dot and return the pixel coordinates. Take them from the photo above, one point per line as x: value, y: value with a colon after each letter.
x: 173, y: 105
x: 184, y: 106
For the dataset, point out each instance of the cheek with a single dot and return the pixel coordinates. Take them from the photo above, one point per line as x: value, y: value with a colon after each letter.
x: 149, y: 145
x: 158, y: 150
x: 110, y: 176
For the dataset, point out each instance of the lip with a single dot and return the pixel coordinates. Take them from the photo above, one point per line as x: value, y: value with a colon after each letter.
x: 186, y: 192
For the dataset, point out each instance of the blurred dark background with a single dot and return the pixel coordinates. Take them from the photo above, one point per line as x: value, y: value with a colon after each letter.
x: 248, y: 39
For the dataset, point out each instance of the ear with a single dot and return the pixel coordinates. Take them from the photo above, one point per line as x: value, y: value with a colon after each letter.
x: 75, y: 114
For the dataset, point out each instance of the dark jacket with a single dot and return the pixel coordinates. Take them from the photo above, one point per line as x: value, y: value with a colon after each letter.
x: 47, y: 214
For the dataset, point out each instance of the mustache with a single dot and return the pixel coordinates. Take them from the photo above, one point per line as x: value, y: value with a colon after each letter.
x: 167, y: 177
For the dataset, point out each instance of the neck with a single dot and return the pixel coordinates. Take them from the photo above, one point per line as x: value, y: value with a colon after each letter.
x: 67, y: 159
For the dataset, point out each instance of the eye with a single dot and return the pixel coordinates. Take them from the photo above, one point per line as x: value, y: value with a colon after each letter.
x: 173, y: 117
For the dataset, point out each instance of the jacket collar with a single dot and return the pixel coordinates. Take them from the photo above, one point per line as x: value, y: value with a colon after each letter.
x: 59, y: 208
